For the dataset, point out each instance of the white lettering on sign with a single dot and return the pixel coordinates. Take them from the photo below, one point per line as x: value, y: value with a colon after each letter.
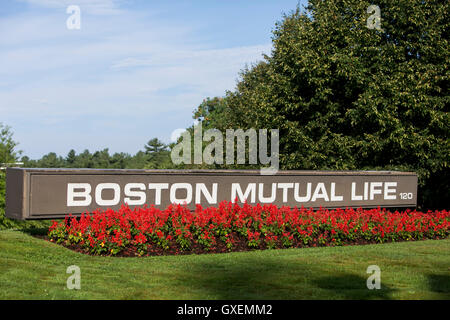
x: 334, y: 197
x: 173, y: 191
x: 137, y: 194
x: 320, y: 193
x: 387, y: 189
x: 158, y: 187
x: 237, y: 191
x: 354, y: 196
x: 72, y: 194
x: 285, y: 187
x: 297, y: 196
x: 272, y: 197
x: 201, y: 188
x: 374, y: 191
x: 99, y: 198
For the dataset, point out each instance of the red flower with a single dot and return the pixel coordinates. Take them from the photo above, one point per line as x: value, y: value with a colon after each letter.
x: 232, y: 224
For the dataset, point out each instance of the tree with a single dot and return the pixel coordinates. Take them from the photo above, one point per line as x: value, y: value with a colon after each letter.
x: 71, y: 158
x: 211, y: 113
x: 8, y: 152
x: 158, y: 157
x: 101, y: 159
x: 84, y: 160
x: 51, y: 160
x: 120, y: 160
x: 348, y: 97
x: 138, y: 161
x: 154, y: 146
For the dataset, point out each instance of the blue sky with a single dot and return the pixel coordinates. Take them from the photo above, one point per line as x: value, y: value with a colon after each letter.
x: 135, y: 70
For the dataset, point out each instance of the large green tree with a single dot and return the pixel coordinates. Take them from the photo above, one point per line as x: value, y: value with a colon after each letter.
x: 347, y: 96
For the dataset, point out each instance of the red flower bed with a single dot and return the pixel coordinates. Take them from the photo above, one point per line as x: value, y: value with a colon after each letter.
x: 230, y: 227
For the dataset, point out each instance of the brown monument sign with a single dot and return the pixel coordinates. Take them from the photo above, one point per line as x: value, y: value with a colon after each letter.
x: 54, y: 193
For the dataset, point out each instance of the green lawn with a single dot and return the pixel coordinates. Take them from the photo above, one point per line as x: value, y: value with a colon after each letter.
x: 31, y: 268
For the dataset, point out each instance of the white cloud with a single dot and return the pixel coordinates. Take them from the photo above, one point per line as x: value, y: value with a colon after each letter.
x: 225, y: 56
x: 118, y: 72
x: 110, y: 72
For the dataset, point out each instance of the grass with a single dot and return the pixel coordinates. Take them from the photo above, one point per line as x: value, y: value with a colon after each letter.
x: 32, y: 268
